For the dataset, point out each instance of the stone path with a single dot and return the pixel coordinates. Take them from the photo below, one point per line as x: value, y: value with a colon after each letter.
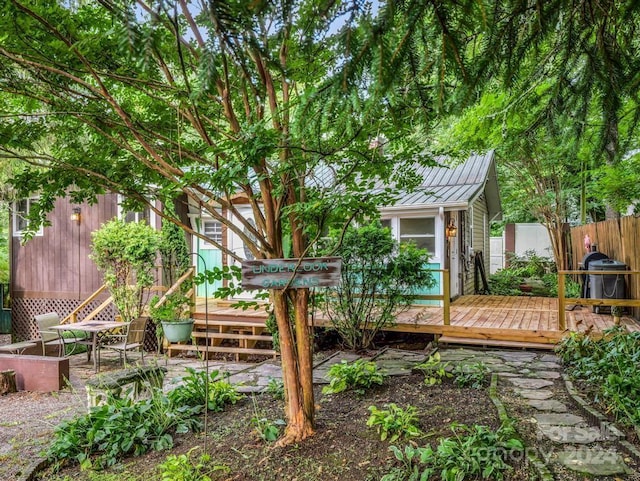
x: 533, y: 391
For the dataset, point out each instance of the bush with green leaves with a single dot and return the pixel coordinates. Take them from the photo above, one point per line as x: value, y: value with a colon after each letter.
x: 433, y: 369
x: 474, y: 375
x: 121, y: 427
x: 125, y: 253
x: 357, y: 376
x: 197, y: 385
x: 474, y: 452
x: 379, y: 279
x: 185, y: 467
x: 394, y: 422
x: 610, y: 366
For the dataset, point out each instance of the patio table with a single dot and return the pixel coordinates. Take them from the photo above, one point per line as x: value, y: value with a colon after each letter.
x: 90, y: 327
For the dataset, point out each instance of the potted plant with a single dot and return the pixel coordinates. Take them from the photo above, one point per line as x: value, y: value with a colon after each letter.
x: 172, y: 313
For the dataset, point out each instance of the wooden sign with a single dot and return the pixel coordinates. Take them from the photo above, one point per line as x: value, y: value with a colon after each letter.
x: 292, y: 273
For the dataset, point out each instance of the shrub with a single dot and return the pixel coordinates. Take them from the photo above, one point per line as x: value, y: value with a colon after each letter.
x: 609, y: 365
x: 394, y: 422
x: 379, y: 279
x: 358, y: 376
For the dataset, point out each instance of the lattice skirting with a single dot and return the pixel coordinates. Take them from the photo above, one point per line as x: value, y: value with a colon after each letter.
x: 23, y: 311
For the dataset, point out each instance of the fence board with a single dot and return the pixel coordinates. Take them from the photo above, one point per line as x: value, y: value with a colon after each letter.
x: 616, y: 238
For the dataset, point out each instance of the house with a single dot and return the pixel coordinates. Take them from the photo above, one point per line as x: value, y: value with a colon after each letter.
x: 449, y: 215
x: 463, y: 198
x: 53, y: 271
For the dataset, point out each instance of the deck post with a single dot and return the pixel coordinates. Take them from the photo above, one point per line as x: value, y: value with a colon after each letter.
x: 562, y: 325
x: 446, y: 297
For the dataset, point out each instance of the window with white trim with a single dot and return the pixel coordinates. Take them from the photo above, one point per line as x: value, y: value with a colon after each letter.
x: 213, y: 230
x: 20, y: 215
x: 420, y: 230
x: 131, y: 216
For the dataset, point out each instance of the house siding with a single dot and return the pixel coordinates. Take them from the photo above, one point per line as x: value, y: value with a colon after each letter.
x: 477, y: 238
x: 53, y: 272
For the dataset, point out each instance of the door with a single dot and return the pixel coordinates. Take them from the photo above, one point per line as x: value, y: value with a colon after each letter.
x: 210, y: 256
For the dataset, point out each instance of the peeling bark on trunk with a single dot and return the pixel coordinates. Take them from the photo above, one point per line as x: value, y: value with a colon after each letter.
x: 297, y: 376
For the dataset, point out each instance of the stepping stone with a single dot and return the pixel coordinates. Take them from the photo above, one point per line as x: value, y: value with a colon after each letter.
x: 570, y: 434
x: 548, y: 405
x: 545, y: 365
x: 594, y: 461
x: 549, y: 358
x: 558, y: 419
x: 545, y: 375
x: 509, y: 356
x: 526, y: 383
x: 535, y: 393
x: 406, y: 356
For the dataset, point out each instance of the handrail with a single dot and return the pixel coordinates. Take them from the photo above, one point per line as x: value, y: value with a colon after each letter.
x: 189, y: 273
x: 562, y: 301
x: 72, y: 317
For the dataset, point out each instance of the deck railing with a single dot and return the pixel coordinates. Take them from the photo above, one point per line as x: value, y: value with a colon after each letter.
x: 191, y: 292
x: 72, y: 317
x: 445, y: 297
x: 562, y: 301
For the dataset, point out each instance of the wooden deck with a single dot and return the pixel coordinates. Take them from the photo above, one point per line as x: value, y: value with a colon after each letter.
x: 485, y: 320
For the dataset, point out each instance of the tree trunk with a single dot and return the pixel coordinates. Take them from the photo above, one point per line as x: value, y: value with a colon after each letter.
x: 7, y: 382
x: 297, y: 377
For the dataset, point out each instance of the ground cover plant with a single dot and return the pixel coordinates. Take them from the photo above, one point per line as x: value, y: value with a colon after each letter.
x: 123, y: 426
x: 608, y: 367
x: 344, y: 447
x: 357, y: 376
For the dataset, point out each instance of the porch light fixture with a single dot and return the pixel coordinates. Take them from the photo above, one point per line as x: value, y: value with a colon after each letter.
x: 75, y: 215
x: 451, y: 230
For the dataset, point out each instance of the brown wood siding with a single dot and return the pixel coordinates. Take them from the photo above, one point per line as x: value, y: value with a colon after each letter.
x: 57, y: 263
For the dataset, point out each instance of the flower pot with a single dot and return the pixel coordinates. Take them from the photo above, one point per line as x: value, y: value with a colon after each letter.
x: 178, y: 331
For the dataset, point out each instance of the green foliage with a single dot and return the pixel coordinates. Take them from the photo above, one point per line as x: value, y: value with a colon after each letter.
x: 119, y: 428
x: 174, y: 252
x: 358, y: 376
x: 506, y: 282
x: 379, y: 279
x: 197, y: 388
x: 474, y: 375
x: 394, y: 422
x: 474, y: 452
x: 434, y: 370
x: 275, y: 388
x: 184, y: 467
x: 174, y: 308
x: 126, y: 252
x: 610, y: 366
x: 265, y: 428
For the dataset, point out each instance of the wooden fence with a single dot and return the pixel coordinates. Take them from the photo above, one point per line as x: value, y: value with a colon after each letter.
x: 617, y: 238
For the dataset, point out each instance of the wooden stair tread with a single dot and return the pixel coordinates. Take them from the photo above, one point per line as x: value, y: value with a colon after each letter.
x: 229, y: 335
x: 233, y: 350
x: 200, y: 323
x: 494, y: 342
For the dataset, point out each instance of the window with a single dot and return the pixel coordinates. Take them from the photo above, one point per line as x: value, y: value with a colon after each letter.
x: 21, y: 210
x: 420, y: 230
x: 131, y: 216
x: 213, y: 230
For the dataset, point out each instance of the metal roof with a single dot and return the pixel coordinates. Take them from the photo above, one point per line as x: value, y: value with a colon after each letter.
x: 455, y: 186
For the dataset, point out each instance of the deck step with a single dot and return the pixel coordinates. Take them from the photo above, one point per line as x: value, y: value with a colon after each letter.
x: 224, y: 349
x: 240, y: 324
x: 229, y: 335
x: 494, y: 342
